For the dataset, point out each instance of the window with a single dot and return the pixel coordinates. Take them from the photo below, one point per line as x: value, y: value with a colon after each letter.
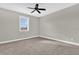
x: 24, y: 23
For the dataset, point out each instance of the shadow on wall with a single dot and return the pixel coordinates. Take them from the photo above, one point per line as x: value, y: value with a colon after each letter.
x: 63, y: 25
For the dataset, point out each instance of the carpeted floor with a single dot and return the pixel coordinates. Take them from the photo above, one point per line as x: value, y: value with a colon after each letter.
x: 38, y: 46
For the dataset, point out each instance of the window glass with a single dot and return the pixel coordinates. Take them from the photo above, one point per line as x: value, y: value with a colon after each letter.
x: 24, y: 23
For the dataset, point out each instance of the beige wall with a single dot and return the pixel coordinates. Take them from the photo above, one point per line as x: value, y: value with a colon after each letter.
x: 9, y: 26
x: 62, y: 25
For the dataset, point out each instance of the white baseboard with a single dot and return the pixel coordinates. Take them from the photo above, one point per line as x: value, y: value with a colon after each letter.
x: 72, y: 43
x: 14, y: 40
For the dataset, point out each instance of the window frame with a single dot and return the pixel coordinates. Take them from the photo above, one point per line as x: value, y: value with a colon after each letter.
x: 27, y: 19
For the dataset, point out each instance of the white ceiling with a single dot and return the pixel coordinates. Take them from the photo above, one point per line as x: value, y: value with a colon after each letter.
x: 22, y: 7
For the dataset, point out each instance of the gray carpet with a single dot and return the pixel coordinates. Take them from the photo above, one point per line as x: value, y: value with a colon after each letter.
x: 38, y: 46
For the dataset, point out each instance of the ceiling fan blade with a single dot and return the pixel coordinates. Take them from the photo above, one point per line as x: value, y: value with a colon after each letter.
x: 32, y: 11
x: 36, y: 6
x: 30, y: 8
x: 41, y: 9
x: 38, y: 11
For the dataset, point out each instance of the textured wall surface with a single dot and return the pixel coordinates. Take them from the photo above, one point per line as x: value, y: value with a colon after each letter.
x: 9, y: 26
x: 63, y: 25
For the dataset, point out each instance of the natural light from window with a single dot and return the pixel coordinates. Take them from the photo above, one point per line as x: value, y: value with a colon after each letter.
x: 24, y: 23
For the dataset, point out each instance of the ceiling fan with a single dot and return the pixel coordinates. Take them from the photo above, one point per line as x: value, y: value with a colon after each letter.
x: 37, y: 9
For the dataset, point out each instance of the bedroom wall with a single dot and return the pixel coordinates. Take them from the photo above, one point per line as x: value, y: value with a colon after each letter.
x: 9, y: 26
x: 62, y: 25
